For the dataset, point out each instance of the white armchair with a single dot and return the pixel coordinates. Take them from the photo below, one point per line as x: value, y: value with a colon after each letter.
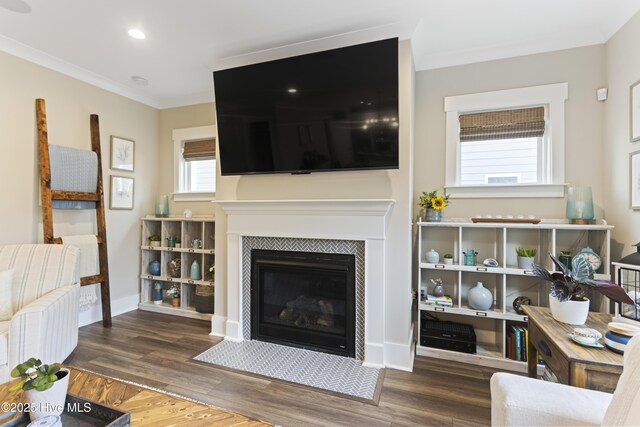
x: 45, y: 297
x: 522, y: 401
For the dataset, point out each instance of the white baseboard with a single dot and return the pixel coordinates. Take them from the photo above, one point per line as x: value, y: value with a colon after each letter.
x: 400, y: 356
x: 218, y: 325
x: 119, y: 306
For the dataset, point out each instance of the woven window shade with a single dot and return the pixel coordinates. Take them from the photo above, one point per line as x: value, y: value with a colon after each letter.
x: 505, y: 124
x: 199, y: 149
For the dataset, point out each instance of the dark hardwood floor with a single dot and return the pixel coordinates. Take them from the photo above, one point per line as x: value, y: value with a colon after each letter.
x: 156, y: 350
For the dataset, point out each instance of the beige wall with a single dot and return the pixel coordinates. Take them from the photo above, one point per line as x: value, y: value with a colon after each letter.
x: 179, y: 118
x: 582, y: 68
x: 623, y: 70
x: 69, y: 103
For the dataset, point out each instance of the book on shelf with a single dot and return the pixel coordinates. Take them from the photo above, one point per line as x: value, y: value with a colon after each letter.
x: 517, y: 341
x: 444, y: 300
x: 548, y: 375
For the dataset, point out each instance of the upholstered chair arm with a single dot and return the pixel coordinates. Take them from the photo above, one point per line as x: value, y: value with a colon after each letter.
x: 522, y: 401
x: 46, y: 328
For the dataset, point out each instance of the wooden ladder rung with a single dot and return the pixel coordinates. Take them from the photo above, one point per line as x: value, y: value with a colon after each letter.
x: 76, y: 196
x: 59, y: 241
x: 91, y: 280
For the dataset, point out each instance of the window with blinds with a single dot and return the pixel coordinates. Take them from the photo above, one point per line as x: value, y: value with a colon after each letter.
x: 506, y: 143
x: 199, y: 166
x: 502, y: 147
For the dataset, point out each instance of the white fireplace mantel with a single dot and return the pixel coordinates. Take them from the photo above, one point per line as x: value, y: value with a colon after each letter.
x: 343, y: 219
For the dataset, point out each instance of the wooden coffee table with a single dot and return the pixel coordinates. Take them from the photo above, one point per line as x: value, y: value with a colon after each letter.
x: 147, y: 407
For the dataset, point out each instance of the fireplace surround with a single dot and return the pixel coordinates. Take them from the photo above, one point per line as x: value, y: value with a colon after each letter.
x: 303, y: 223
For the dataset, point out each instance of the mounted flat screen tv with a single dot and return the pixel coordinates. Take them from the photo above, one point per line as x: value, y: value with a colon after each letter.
x: 326, y: 111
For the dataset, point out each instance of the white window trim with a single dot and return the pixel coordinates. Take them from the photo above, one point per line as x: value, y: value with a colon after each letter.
x: 179, y: 136
x: 553, y: 96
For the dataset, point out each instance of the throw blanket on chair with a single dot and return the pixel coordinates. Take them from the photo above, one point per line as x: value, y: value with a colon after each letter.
x: 88, y: 265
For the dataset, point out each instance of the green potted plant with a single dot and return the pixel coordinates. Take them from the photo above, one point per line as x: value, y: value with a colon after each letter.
x: 567, y: 299
x: 526, y: 257
x: 448, y: 259
x: 45, y: 387
x: 433, y: 204
x: 154, y: 240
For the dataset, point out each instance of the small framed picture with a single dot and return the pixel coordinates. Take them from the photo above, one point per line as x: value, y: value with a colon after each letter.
x: 122, y: 154
x: 635, y: 111
x: 121, y: 192
x: 634, y: 185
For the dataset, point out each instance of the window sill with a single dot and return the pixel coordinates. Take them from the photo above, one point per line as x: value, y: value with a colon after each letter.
x: 193, y: 197
x: 504, y: 191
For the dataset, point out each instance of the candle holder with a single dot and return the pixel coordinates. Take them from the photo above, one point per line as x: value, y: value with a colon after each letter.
x: 580, y: 205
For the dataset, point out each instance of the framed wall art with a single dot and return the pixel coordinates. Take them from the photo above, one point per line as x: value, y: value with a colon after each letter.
x: 121, y: 192
x: 122, y: 154
x: 634, y: 107
x: 634, y: 184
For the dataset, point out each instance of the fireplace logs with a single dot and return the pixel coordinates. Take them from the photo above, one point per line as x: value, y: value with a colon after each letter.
x: 308, y: 312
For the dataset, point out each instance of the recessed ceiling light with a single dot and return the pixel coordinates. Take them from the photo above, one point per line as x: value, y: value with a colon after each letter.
x: 140, y: 81
x: 137, y: 34
x: 19, y: 6
x: 292, y: 90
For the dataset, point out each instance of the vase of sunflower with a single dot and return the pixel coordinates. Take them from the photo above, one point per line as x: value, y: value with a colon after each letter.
x: 433, y: 204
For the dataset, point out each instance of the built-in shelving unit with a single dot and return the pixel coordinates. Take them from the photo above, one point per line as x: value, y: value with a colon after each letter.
x: 506, y: 281
x: 185, y: 230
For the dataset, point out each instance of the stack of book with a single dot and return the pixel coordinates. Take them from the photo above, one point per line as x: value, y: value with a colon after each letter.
x: 444, y: 300
x: 517, y: 341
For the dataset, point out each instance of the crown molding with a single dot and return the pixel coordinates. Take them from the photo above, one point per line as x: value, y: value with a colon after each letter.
x: 43, y: 59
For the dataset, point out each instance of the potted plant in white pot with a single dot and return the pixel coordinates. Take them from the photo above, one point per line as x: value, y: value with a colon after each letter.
x: 45, y: 387
x: 567, y: 299
x: 526, y: 257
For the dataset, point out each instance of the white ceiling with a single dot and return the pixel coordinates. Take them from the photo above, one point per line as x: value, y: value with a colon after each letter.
x: 188, y: 39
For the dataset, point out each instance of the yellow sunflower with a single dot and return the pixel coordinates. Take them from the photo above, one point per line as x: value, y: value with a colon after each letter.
x: 438, y: 203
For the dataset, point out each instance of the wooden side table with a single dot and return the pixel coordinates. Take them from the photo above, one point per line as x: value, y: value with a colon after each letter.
x: 573, y: 364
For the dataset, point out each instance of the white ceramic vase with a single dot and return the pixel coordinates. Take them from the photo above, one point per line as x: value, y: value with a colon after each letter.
x: 49, y: 402
x: 479, y: 297
x: 570, y: 312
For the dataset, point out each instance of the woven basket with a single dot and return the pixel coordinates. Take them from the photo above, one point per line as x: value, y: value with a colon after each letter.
x: 204, y: 299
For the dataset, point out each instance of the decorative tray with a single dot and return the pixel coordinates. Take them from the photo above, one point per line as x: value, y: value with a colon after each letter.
x: 508, y: 220
x: 79, y: 412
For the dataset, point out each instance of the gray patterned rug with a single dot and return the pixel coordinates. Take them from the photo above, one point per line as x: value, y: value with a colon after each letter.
x: 329, y: 372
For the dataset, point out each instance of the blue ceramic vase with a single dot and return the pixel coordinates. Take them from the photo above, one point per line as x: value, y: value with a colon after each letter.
x: 154, y: 268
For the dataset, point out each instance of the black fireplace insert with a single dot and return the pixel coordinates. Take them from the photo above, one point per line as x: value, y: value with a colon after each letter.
x: 304, y: 299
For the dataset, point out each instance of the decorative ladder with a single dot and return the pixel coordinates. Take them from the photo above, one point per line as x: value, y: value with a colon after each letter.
x: 49, y: 195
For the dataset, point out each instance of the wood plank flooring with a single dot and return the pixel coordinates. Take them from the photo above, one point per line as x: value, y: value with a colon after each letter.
x: 147, y: 408
x: 156, y: 350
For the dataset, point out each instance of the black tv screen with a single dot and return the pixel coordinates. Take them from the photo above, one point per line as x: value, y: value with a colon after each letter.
x: 325, y: 111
